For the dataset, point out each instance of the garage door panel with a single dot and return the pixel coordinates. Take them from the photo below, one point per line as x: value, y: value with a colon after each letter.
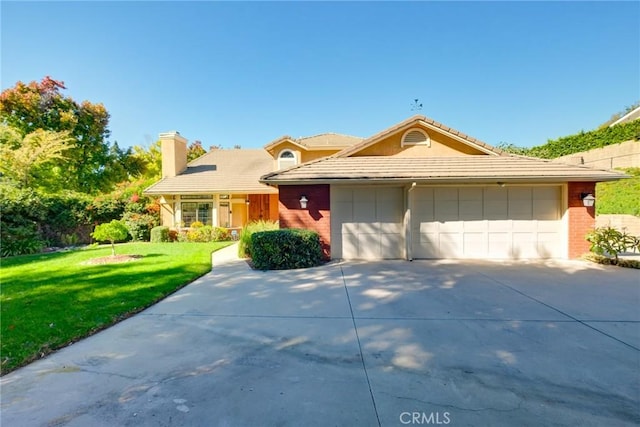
x: 547, y: 245
x: 446, y: 210
x: 489, y: 222
x: 524, y: 245
x: 343, y: 209
x: 426, y: 246
x: 524, y: 226
x: 471, y: 210
x: 451, y: 226
x: 349, y: 228
x: 364, y: 211
x: 392, y: 246
x: 475, y: 245
x: 548, y: 227
x: 391, y: 228
x: 367, y: 222
x: 479, y: 226
x: 349, y: 243
x: 452, y: 244
x: 499, y: 245
x: 369, y: 246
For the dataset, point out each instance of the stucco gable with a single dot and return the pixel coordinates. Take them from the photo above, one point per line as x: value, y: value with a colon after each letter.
x: 442, y: 141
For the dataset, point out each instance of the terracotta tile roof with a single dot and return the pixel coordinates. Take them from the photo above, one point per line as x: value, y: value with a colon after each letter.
x: 426, y: 122
x: 233, y: 170
x: 462, y: 169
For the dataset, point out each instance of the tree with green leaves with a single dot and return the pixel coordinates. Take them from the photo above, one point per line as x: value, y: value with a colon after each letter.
x: 87, y: 162
x: 28, y: 160
x: 113, y: 231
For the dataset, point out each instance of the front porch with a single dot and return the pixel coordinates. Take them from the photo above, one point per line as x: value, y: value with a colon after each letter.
x: 232, y: 211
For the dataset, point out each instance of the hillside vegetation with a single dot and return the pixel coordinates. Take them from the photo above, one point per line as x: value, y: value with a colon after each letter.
x: 618, y: 197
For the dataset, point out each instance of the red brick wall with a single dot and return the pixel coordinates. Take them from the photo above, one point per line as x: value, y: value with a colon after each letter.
x: 316, y: 217
x: 581, y: 219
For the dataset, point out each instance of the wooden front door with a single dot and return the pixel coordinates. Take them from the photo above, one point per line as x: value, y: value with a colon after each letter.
x: 258, y: 207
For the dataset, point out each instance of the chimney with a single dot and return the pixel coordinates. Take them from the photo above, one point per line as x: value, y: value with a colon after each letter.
x: 174, y: 154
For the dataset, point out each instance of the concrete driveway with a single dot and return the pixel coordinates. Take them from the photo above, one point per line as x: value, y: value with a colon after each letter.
x: 357, y: 344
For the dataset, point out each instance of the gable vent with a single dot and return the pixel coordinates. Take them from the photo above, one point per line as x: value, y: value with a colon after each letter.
x: 415, y: 137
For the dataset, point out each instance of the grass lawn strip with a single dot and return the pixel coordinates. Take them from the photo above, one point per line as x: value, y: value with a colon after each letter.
x: 48, y: 301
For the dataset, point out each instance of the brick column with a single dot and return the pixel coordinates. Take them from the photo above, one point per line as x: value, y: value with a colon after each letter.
x: 316, y: 217
x: 581, y: 219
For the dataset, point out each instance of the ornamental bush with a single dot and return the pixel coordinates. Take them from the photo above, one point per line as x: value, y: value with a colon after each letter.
x: 244, y: 244
x: 139, y: 225
x: 285, y: 249
x: 114, y: 231
x: 160, y: 234
x: 609, y: 242
x: 207, y: 233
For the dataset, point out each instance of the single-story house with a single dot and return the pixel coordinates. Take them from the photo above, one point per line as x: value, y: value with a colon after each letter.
x: 418, y: 189
x: 222, y: 187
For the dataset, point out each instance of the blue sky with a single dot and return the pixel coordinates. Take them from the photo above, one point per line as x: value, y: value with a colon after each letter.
x: 249, y: 72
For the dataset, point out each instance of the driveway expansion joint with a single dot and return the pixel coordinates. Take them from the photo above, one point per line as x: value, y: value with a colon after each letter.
x: 355, y: 328
x: 575, y: 319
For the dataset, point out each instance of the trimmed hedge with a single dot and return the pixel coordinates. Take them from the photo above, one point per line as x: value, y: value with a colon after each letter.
x: 585, y: 141
x: 285, y: 249
x: 244, y: 245
x: 160, y: 234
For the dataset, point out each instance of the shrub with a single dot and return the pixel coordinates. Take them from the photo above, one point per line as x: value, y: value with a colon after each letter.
x: 20, y: 240
x: 600, y: 259
x: 199, y: 234
x: 139, y: 225
x: 207, y: 233
x: 285, y: 249
x: 219, y: 234
x: 196, y: 224
x: 244, y: 244
x: 160, y: 234
x: 114, y: 231
x: 609, y: 242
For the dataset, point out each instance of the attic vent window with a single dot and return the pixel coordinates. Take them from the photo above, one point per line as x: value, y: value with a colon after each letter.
x: 416, y: 137
x: 286, y: 159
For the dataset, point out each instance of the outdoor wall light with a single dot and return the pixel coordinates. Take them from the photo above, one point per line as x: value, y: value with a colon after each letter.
x: 587, y: 199
x: 303, y: 201
x: 247, y: 202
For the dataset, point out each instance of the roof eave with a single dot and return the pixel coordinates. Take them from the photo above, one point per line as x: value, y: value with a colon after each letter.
x: 442, y: 180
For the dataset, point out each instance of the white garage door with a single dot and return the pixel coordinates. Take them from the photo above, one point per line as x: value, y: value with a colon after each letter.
x: 487, y: 222
x: 366, y: 222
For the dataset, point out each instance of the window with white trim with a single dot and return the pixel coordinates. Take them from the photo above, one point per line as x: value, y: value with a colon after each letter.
x: 416, y: 137
x: 286, y: 158
x: 194, y: 211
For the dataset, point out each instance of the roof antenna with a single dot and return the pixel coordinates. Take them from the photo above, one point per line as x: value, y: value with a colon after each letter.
x: 417, y: 105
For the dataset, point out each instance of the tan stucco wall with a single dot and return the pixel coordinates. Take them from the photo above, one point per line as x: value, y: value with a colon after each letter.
x: 301, y: 154
x: 441, y: 146
x: 629, y: 223
x: 167, y: 214
x: 623, y: 155
x: 174, y: 154
x: 312, y: 155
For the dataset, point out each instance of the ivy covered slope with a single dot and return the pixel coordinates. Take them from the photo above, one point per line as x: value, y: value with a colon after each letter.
x: 620, y: 197
x: 585, y: 141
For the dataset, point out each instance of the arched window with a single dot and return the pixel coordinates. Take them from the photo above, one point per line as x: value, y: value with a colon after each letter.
x: 415, y: 137
x: 286, y: 159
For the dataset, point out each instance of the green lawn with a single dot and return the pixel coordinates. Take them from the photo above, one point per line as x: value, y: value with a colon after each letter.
x: 51, y: 300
